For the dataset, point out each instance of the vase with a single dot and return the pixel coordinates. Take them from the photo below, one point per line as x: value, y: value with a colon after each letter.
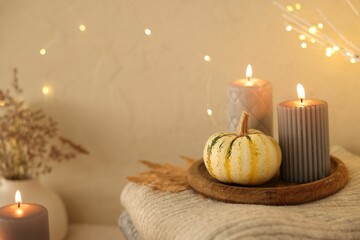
x: 33, y: 192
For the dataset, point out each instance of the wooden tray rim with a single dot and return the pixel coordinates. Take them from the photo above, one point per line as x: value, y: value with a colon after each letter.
x: 332, y: 184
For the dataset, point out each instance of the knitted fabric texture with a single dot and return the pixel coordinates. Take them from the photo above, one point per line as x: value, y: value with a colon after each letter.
x: 187, y: 215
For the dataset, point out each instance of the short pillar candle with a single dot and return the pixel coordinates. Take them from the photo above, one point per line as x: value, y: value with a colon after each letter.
x: 254, y: 96
x: 304, y: 139
x: 22, y: 221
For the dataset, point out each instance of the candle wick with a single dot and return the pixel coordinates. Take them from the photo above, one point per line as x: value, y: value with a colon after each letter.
x: 301, y: 100
x: 248, y: 79
x: 18, y: 205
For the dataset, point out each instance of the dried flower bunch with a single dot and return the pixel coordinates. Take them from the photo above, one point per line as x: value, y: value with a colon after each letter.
x: 29, y: 140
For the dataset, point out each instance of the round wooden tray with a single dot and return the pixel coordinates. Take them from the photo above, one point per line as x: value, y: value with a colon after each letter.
x: 274, y: 192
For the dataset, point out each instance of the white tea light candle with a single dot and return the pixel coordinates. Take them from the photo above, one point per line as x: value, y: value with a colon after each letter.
x: 304, y: 139
x: 254, y: 96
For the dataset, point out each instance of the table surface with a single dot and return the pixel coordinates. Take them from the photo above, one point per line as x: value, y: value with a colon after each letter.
x: 94, y: 232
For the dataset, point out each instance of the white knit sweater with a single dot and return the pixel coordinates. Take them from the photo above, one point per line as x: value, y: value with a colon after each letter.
x: 187, y: 215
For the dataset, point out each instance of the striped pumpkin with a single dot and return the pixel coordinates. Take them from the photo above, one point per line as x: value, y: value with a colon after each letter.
x: 248, y: 157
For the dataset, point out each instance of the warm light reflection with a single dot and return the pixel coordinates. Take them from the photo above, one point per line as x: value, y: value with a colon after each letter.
x: 301, y: 92
x: 302, y: 37
x: 298, y: 6
x: 304, y: 45
x: 352, y: 60
x: 289, y: 28
x: 320, y: 25
x: 209, y: 112
x: 2, y: 103
x: 19, y: 211
x: 312, y: 40
x: 248, y: 71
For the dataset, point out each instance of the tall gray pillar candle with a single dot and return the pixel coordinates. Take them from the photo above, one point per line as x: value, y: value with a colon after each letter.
x: 304, y: 139
x: 253, y: 96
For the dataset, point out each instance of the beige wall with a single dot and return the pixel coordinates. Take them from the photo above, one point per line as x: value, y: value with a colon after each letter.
x: 127, y: 96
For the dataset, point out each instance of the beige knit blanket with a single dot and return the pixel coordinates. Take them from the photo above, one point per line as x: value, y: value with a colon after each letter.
x: 186, y: 215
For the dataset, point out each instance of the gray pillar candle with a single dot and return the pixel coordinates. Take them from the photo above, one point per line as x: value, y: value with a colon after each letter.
x: 24, y: 221
x: 304, y: 139
x: 253, y: 96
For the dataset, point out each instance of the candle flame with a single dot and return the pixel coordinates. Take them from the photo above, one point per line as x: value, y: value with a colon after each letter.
x: 248, y: 71
x: 301, y: 92
x: 18, y: 199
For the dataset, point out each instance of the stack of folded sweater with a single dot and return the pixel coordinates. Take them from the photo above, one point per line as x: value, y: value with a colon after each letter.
x: 152, y: 214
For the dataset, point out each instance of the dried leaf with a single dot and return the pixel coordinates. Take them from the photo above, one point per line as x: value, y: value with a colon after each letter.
x: 166, y: 177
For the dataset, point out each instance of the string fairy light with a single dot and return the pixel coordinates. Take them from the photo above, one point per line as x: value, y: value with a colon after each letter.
x: 82, y: 27
x: 312, y: 30
x: 147, y: 31
x: 317, y: 35
x: 289, y: 28
x: 45, y: 90
x: 207, y: 58
x: 42, y: 51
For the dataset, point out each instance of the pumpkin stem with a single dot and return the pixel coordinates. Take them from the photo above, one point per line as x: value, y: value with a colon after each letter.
x: 243, y: 124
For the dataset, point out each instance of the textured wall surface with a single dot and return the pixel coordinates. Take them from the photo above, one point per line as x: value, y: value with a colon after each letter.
x: 128, y: 96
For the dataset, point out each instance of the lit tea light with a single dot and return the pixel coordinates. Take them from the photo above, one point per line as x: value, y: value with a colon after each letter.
x: 352, y: 60
x: 302, y: 37
x: 289, y: 28
x: 209, y: 112
x: 320, y: 25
